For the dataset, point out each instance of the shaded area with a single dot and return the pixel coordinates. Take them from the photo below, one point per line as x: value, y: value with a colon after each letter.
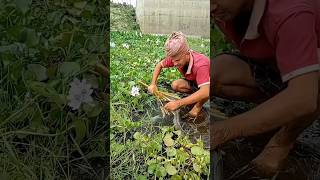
x: 303, y: 161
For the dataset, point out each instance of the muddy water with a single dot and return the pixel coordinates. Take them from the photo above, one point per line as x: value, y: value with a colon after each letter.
x: 303, y: 162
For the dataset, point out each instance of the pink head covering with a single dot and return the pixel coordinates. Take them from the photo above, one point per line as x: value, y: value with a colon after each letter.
x: 176, y: 44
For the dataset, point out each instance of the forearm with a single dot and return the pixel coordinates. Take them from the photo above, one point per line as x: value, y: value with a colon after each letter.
x: 290, y: 105
x: 156, y: 73
x: 197, y: 96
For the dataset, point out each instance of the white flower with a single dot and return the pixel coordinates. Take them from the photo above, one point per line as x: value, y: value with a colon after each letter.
x: 80, y: 92
x: 125, y: 45
x: 112, y: 44
x: 140, y: 34
x: 202, y: 45
x: 148, y: 40
x: 135, y: 91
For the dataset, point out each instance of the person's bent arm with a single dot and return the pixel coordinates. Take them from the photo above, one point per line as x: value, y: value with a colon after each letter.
x: 197, y: 96
x: 153, y: 86
x: 298, y: 100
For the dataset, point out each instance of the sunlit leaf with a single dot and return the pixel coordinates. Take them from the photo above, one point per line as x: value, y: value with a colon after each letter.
x: 171, y: 151
x: 196, y: 150
x: 196, y: 167
x: 168, y: 141
x: 170, y: 169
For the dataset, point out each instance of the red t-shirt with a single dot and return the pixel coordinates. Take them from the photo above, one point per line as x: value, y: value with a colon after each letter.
x: 286, y: 32
x: 198, y: 68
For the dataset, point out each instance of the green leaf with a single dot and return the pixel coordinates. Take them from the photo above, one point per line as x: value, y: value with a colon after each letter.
x: 80, y: 128
x: 141, y: 177
x: 39, y: 71
x: 171, y: 152
x: 170, y: 169
x: 175, y: 177
x: 92, y: 110
x: 152, y: 168
x: 182, y: 156
x: 131, y: 83
x: 196, y: 167
x: 137, y: 135
x: 168, y: 141
x: 161, y: 171
x: 69, y: 68
x: 23, y: 5
x: 42, y: 89
x: 80, y: 5
x: 59, y: 99
x: 196, y: 150
x: 178, y: 132
x: 32, y: 39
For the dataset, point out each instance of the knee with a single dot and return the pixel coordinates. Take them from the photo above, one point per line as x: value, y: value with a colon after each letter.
x: 218, y: 67
x: 175, y: 85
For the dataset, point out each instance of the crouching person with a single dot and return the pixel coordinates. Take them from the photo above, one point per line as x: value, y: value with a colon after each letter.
x: 194, y: 67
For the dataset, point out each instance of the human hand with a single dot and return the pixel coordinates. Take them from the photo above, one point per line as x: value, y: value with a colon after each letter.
x: 220, y: 133
x: 152, y: 88
x: 173, y: 105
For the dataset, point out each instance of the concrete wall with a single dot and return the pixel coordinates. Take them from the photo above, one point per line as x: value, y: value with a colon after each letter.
x: 165, y: 16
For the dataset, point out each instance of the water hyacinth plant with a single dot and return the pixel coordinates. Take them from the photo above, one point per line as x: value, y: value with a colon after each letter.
x: 140, y: 149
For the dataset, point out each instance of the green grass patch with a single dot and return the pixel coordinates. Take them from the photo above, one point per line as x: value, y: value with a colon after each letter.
x: 44, y: 46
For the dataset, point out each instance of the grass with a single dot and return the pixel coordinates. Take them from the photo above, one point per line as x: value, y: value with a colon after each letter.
x: 45, y: 45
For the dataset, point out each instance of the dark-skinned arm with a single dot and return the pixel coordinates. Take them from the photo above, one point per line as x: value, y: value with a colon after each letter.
x: 156, y: 72
x: 298, y: 100
x: 197, y: 96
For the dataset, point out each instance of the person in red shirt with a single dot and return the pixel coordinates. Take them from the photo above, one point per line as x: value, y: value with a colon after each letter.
x: 195, y: 68
x: 277, y: 67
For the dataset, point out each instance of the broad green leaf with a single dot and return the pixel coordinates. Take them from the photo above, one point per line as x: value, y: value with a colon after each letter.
x: 161, y: 171
x: 131, y: 83
x: 92, y: 110
x: 80, y: 128
x: 170, y: 169
x: 80, y: 5
x: 59, y: 99
x: 42, y: 89
x: 175, y: 177
x: 182, y: 156
x: 137, y: 135
x: 69, y: 68
x: 152, y: 168
x: 38, y: 70
x: 196, y: 150
x: 178, y: 132
x: 171, y: 152
x: 196, y: 167
x: 168, y: 141
x: 23, y: 5
x: 141, y: 177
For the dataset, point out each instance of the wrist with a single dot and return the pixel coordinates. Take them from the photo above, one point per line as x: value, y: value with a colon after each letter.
x: 180, y: 103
